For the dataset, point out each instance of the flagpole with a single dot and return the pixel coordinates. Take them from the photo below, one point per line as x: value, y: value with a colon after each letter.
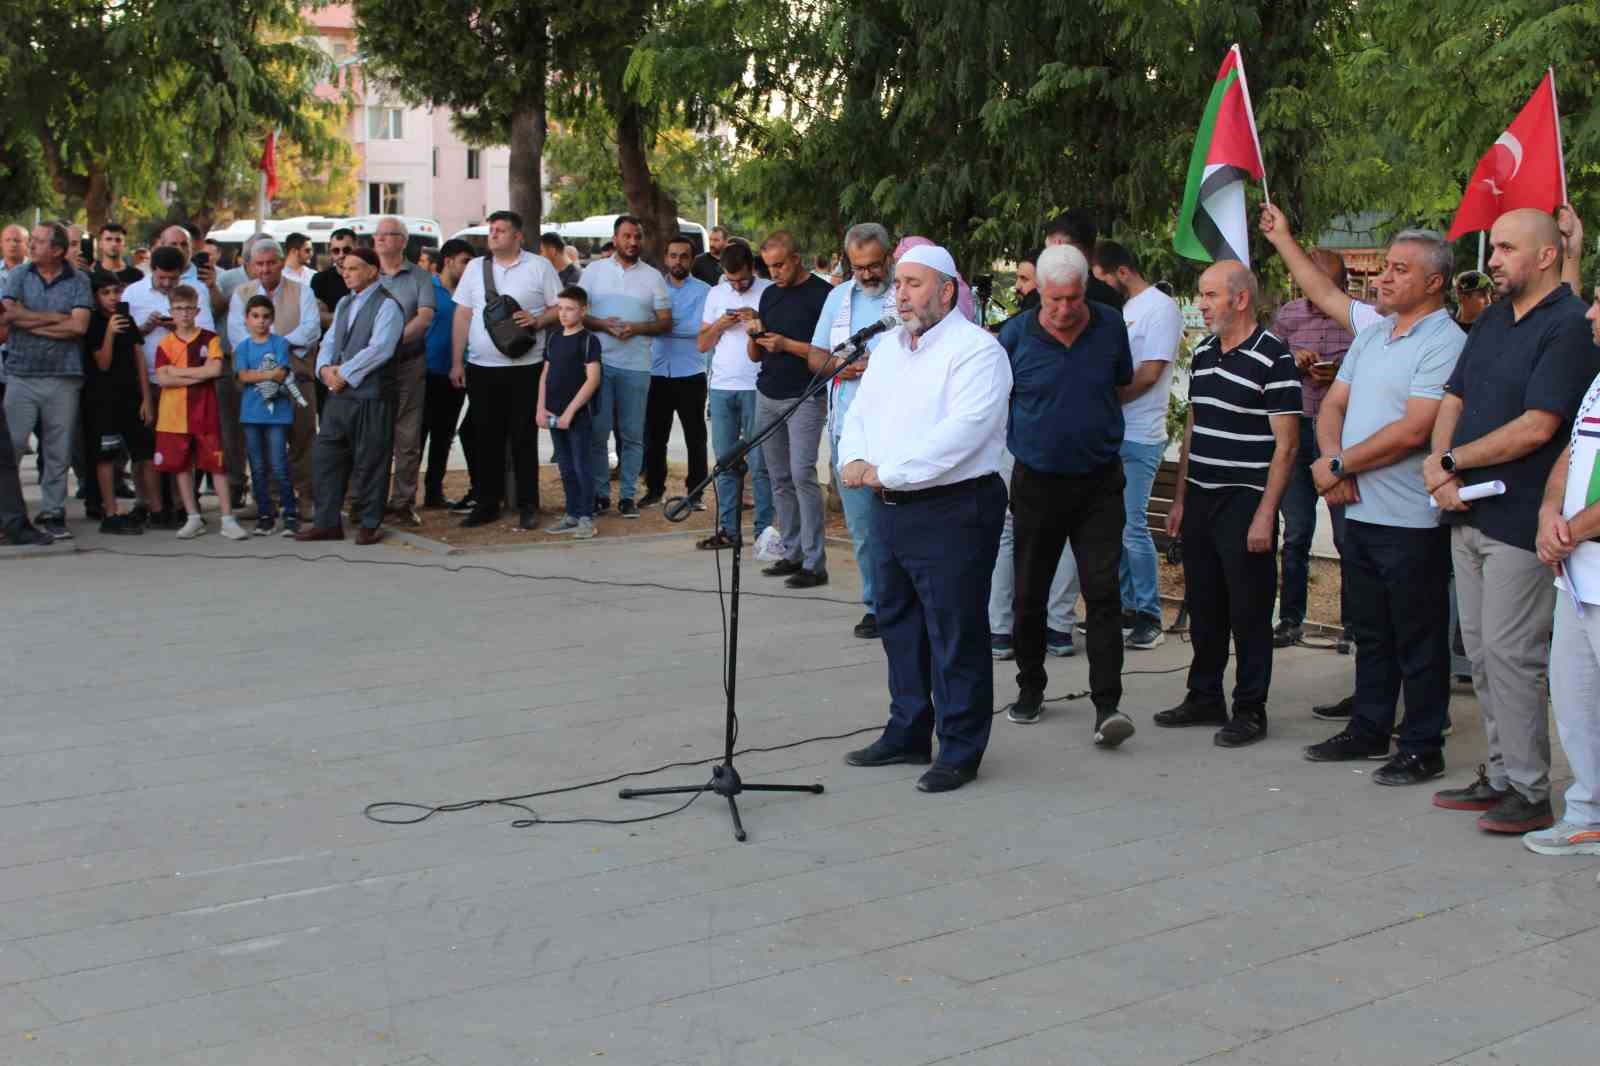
x: 1249, y: 109
x: 1561, y: 156
x: 1480, y: 250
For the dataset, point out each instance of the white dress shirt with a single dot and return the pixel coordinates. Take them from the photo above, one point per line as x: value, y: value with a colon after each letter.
x: 142, y: 297
x: 934, y: 414
x: 386, y: 328
x: 300, y: 338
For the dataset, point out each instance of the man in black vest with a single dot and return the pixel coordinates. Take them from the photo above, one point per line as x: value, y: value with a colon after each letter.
x: 356, y: 364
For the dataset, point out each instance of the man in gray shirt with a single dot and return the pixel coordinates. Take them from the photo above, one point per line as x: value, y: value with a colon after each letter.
x: 1375, y: 424
x: 413, y: 288
x: 46, y: 306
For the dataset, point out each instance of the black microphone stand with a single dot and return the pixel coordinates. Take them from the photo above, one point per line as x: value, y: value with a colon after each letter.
x: 725, y: 780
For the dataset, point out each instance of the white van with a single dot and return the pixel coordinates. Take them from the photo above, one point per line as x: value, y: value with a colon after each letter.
x: 232, y: 237
x: 587, y: 235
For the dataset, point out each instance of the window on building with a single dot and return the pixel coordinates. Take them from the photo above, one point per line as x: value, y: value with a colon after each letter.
x: 385, y: 124
x: 386, y: 198
x: 436, y: 162
x: 474, y: 164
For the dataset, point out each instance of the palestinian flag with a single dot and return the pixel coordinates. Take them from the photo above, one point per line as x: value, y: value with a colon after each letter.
x: 1212, y: 224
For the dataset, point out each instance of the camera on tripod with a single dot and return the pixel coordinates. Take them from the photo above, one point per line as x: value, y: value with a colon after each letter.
x: 983, y: 287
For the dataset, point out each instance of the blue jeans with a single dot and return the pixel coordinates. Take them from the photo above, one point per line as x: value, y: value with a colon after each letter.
x: 733, y: 415
x: 267, y: 445
x: 1141, y: 590
x: 857, y: 502
x: 573, y: 449
x: 1299, y: 510
x: 623, y: 397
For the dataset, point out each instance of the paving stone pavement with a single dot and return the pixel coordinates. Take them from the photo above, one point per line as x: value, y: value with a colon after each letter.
x: 187, y: 877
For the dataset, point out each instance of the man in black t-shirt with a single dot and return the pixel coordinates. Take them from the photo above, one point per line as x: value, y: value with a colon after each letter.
x: 1506, y: 415
x: 708, y: 264
x: 328, y: 285
x: 780, y: 340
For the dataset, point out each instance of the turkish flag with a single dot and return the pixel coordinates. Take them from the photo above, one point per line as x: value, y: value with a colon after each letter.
x: 1524, y: 166
x: 269, y: 163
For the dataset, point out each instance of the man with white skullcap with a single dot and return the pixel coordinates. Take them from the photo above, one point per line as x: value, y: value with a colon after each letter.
x: 925, y: 432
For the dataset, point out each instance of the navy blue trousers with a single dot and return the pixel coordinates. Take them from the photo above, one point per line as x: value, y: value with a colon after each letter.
x: 932, y: 561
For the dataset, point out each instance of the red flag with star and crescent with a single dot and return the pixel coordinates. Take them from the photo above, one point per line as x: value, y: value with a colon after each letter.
x: 1523, y: 168
x: 269, y: 163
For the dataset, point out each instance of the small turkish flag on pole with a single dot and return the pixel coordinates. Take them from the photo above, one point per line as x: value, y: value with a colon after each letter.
x: 269, y: 164
x: 1523, y: 168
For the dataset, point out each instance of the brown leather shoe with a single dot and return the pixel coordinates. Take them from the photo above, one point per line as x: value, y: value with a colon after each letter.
x: 321, y: 533
x: 365, y: 536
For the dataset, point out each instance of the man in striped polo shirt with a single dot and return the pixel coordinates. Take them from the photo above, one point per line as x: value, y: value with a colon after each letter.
x: 1238, y: 454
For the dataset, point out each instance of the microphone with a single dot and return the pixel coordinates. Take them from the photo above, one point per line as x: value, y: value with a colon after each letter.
x: 889, y: 321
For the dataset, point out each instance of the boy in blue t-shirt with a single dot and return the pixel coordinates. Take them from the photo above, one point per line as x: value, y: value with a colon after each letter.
x: 568, y: 382
x: 266, y: 412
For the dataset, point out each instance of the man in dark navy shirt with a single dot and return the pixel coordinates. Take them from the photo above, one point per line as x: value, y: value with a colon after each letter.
x: 1068, y: 358
x: 1507, y: 413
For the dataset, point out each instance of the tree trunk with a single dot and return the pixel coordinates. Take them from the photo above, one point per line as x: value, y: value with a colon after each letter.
x: 646, y: 197
x: 97, y: 200
x: 212, y: 190
x: 528, y: 128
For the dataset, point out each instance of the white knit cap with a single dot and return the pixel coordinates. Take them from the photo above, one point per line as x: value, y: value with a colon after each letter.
x: 932, y: 256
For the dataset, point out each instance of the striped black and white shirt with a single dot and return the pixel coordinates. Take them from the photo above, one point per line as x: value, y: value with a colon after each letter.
x: 1233, y: 395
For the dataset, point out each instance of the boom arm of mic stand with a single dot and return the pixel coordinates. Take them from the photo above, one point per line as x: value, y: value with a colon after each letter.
x: 680, y: 507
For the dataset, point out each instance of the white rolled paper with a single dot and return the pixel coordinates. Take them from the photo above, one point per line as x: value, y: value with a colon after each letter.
x: 1480, y: 491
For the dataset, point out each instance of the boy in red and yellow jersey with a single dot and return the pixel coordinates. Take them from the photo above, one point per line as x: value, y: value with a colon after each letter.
x: 188, y: 427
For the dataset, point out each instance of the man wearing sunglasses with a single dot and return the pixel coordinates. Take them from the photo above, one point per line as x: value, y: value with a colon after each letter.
x: 328, y: 285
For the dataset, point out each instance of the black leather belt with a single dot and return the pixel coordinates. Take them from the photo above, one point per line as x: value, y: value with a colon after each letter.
x: 955, y: 488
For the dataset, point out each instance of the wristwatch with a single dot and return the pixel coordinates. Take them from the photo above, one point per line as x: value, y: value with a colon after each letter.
x: 1336, y: 466
x: 1447, y: 462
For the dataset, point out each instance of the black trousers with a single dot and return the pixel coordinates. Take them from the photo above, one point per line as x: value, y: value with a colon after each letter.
x: 353, y: 441
x: 441, y: 411
x: 1230, y: 590
x: 1398, y: 581
x: 503, y: 401
x: 1048, y: 511
x: 686, y: 398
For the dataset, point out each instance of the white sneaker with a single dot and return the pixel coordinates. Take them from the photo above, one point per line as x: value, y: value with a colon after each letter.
x: 193, y: 526
x: 232, y: 529
x: 1564, y: 838
x: 567, y: 524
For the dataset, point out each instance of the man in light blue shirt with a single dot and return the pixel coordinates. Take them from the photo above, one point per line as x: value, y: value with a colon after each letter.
x: 628, y: 304
x: 854, y: 305
x: 677, y: 379
x: 1373, y: 432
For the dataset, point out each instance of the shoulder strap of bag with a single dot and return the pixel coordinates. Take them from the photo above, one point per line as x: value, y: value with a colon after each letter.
x: 490, y: 292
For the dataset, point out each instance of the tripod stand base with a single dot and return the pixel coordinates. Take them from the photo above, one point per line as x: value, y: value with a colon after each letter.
x: 725, y: 781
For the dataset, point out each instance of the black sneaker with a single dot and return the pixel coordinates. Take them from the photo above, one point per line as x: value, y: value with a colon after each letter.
x: 1347, y: 747
x: 24, y: 535
x: 1287, y: 634
x: 265, y: 526
x: 1244, y: 728
x: 1478, y: 796
x: 466, y: 505
x: 807, y: 579
x: 867, y: 628
x: 783, y: 568
x: 1146, y: 634
x: 117, y: 525
x: 1000, y: 647
x: 1130, y: 622
x: 1335, y: 712
x: 1059, y: 644
x: 55, y: 525
x: 1517, y: 814
x: 650, y: 499
x: 139, y: 514
x: 291, y: 526
x: 1111, y: 729
x: 528, y: 519
x: 1410, y: 768
x: 1192, y: 712
x: 627, y: 509
x: 480, y: 517
x: 879, y: 753
x: 602, y: 504
x: 1027, y: 709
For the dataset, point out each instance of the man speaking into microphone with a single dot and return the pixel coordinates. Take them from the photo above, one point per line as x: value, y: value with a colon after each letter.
x: 925, y: 432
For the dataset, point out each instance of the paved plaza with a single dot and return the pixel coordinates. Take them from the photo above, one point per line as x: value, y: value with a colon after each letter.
x: 187, y: 877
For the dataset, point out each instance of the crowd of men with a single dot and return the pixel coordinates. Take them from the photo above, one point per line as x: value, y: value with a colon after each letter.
x: 1447, y: 447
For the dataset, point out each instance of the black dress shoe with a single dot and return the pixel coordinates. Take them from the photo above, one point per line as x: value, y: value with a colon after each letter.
x: 479, y: 517
x: 1192, y: 712
x: 945, y: 779
x: 1335, y: 712
x: 1244, y: 728
x: 783, y: 568
x: 880, y: 753
x: 807, y: 579
x: 867, y: 628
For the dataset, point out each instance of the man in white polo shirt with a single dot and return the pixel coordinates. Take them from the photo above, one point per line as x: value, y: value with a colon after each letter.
x: 731, y: 386
x: 503, y: 390
x: 628, y: 304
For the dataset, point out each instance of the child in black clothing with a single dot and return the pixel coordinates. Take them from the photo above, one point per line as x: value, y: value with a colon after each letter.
x: 117, y: 403
x: 570, y: 377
